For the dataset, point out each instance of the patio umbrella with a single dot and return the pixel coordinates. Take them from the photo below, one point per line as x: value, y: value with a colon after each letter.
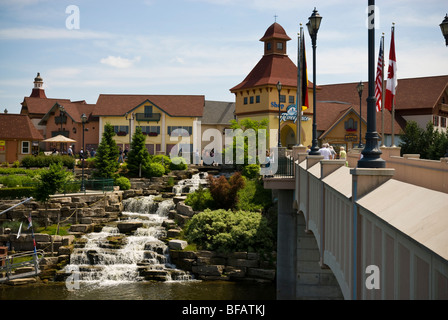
x: 59, y: 138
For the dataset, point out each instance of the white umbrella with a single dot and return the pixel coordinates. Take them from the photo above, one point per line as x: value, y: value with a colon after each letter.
x: 59, y: 138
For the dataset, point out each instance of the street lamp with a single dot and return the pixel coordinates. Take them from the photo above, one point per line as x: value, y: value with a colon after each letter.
x: 360, y: 88
x: 279, y: 88
x: 444, y: 28
x: 61, y: 115
x: 371, y: 155
x: 313, y: 27
x: 83, y: 120
x: 130, y: 117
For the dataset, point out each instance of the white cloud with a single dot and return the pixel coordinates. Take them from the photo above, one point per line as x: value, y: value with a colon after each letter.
x: 44, y: 33
x: 119, y: 62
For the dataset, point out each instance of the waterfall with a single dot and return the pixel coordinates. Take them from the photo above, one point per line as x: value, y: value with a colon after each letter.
x: 191, y: 185
x: 110, y: 257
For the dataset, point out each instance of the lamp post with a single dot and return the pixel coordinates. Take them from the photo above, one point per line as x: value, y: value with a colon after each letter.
x: 444, y: 28
x: 61, y: 115
x: 83, y: 120
x: 371, y: 153
x: 360, y: 88
x: 279, y: 89
x: 130, y: 117
x: 313, y: 27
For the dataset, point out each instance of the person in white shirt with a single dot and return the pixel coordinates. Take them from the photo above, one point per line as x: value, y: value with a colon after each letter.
x: 325, y: 151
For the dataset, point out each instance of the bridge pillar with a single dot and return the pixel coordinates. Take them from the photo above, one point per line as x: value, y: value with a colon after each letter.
x: 286, y: 248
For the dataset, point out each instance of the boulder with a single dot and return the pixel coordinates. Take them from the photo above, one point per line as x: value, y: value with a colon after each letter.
x: 177, y: 244
x: 128, y: 227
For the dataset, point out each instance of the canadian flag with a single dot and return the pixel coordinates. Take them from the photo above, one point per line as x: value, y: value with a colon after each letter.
x: 392, y: 75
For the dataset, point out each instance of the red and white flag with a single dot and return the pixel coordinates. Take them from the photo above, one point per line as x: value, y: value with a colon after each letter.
x: 392, y: 75
x: 379, y: 79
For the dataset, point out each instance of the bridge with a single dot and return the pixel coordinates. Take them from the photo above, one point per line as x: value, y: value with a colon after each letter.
x: 362, y: 234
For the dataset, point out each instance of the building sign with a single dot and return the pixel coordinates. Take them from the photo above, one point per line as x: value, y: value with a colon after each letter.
x: 291, y: 114
x: 2, y: 145
x: 351, y: 137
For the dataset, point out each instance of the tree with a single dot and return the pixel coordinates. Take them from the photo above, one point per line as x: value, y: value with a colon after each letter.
x: 107, y: 154
x: 225, y: 192
x: 138, y: 155
x: 51, y: 181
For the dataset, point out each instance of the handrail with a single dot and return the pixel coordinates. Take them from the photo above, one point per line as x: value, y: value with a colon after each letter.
x: 16, y: 205
x: 10, y: 266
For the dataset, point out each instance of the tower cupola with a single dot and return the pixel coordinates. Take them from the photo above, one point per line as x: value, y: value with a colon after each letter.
x: 275, y: 40
x: 38, y: 90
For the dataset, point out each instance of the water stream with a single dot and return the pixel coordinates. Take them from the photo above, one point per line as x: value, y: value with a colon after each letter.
x: 112, y: 257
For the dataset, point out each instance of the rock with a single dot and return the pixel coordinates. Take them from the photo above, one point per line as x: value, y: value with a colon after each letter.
x: 208, y: 270
x: 268, y: 274
x: 184, y: 210
x: 128, y: 227
x: 173, y: 233
x: 177, y: 244
x: 83, y: 228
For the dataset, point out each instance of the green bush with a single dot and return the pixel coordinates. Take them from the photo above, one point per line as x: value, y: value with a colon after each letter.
x: 13, y: 181
x: 46, y: 161
x: 163, y: 160
x: 154, y: 170
x: 123, y: 183
x: 251, y: 171
x: 178, y: 163
x: 229, y: 231
x: 254, y: 197
x: 200, y: 200
x: 16, y: 193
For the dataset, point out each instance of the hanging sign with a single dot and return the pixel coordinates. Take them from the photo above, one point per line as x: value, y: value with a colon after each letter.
x: 291, y: 114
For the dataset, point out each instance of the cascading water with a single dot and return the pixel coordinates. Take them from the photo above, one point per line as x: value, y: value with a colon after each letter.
x: 110, y: 257
x: 191, y: 185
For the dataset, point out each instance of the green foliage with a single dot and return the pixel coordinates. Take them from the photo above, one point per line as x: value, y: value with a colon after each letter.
x: 225, y: 230
x: 225, y: 192
x: 200, y: 200
x: 106, y: 159
x: 430, y: 143
x: 138, y: 155
x: 28, y: 172
x: 251, y: 171
x: 16, y: 193
x: 178, y: 163
x: 154, y: 170
x: 16, y: 180
x: 45, y: 161
x: 51, y: 181
x: 254, y: 197
x: 163, y: 160
x: 123, y: 183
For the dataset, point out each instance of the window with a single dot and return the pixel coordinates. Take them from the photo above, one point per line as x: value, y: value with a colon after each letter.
x: 351, y: 125
x: 257, y: 99
x: 279, y: 45
x: 251, y: 100
x: 188, y: 130
x: 245, y: 100
x: 282, y: 98
x: 443, y: 122
x: 25, y: 147
x: 435, y: 121
x: 151, y: 130
x: 121, y: 130
x: 268, y: 46
x: 292, y: 99
x: 148, y: 111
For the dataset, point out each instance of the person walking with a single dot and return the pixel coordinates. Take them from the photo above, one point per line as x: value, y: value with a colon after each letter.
x: 325, y: 151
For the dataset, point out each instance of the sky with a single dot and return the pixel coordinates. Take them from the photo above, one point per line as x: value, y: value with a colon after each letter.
x: 201, y: 47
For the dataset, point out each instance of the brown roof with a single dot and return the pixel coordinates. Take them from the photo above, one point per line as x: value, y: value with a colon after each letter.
x: 270, y: 70
x: 73, y: 109
x: 275, y: 31
x: 173, y: 105
x: 18, y: 126
x: 40, y: 105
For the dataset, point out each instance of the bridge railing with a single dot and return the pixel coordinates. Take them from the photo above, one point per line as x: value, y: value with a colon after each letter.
x: 351, y: 238
x: 10, y: 263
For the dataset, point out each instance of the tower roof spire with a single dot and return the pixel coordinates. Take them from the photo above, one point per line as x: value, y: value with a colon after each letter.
x: 38, y: 90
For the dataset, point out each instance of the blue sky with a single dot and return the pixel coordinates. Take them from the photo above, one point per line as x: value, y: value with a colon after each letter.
x: 197, y: 46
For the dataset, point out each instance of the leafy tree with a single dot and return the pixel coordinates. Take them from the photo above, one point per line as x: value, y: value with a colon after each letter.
x: 138, y: 155
x: 429, y: 143
x: 106, y: 159
x: 51, y: 181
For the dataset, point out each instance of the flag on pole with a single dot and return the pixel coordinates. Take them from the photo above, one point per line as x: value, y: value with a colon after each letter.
x: 379, y: 79
x: 305, y: 104
x: 392, y: 75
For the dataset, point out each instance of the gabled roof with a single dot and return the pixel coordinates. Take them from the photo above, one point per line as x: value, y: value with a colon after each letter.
x: 72, y: 109
x: 218, y: 112
x: 40, y: 105
x: 270, y: 70
x: 173, y: 105
x: 18, y: 126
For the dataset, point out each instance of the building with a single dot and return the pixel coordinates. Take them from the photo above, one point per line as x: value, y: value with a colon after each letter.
x: 217, y: 115
x: 257, y: 97
x: 18, y: 137
x: 159, y: 116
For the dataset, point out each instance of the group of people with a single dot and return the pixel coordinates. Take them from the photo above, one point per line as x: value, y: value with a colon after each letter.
x: 82, y: 154
x: 329, y: 153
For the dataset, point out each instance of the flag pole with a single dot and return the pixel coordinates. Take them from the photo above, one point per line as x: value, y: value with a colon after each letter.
x: 299, y: 88
x: 382, y: 95
x: 392, y: 144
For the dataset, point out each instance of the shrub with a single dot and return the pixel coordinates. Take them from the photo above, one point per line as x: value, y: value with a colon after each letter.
x: 178, y: 163
x: 46, y: 161
x: 254, y: 197
x: 251, y: 171
x: 106, y: 158
x: 138, y: 155
x: 163, y: 160
x: 227, y: 231
x: 13, y: 181
x: 154, y: 170
x: 16, y: 193
x: 123, y: 183
x: 200, y: 200
x: 225, y: 192
x: 52, y: 181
